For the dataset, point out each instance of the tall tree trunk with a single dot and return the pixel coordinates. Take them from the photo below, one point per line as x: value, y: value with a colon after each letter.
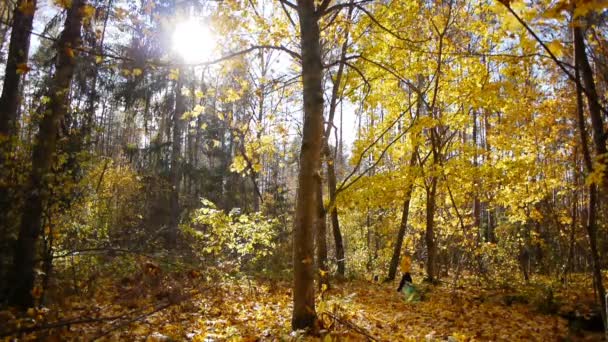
x: 257, y: 195
x: 476, y: 202
x: 335, y: 223
x: 304, y: 315
x: 18, y: 50
x: 42, y: 159
x: 591, y: 227
x: 429, y: 235
x: 392, y: 271
x: 321, y: 238
x: 330, y: 160
x: 175, y: 175
x: 23, y: 16
x: 586, y: 75
x: 584, y: 72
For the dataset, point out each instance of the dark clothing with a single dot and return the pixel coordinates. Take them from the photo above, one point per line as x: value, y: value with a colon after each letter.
x: 406, y: 277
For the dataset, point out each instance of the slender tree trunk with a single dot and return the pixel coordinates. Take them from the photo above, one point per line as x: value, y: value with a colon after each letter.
x: 392, y: 271
x: 568, y: 267
x: 176, y: 150
x: 304, y: 315
x: 591, y: 227
x: 429, y: 235
x: 321, y: 238
x: 476, y: 202
x: 584, y: 72
x: 261, y: 97
x: 335, y: 223
x: 331, y: 162
x: 42, y: 159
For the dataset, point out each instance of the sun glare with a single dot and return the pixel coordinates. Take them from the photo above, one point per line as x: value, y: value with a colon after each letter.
x: 193, y: 41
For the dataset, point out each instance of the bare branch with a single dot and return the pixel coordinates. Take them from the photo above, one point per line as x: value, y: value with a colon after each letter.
x: 287, y: 3
x: 346, y: 185
x: 343, y: 5
x: 287, y: 14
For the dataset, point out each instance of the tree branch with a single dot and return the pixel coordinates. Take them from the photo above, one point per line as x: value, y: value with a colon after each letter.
x: 551, y: 55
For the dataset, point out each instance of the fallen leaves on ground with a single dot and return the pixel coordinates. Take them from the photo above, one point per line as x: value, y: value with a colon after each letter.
x: 181, y: 308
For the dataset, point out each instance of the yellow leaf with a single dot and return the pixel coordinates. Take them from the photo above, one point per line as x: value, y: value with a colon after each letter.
x: 556, y: 48
x: 98, y: 59
x: 22, y: 68
x: 69, y: 52
x: 136, y: 72
x: 87, y: 12
x: 65, y: 4
x: 174, y: 74
x: 27, y: 8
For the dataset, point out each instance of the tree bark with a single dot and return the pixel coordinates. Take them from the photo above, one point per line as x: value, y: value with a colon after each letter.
x: 335, y: 223
x: 19, y: 46
x: 175, y: 175
x: 586, y: 75
x: 429, y: 235
x: 9, y: 105
x: 37, y: 193
x: 330, y: 162
x: 321, y: 238
x: 476, y: 202
x: 392, y: 271
x: 304, y: 315
x: 583, y: 71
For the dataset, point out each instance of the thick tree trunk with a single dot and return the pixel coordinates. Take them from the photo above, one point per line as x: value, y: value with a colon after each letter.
x: 42, y: 159
x: 304, y: 315
x: 429, y: 235
x: 18, y: 50
x: 9, y: 106
x: 321, y: 238
x: 175, y: 176
x: 392, y: 271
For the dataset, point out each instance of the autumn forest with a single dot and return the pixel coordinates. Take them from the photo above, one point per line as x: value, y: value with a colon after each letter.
x: 303, y: 170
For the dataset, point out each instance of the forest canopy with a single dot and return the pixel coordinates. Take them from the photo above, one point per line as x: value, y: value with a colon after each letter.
x: 280, y: 166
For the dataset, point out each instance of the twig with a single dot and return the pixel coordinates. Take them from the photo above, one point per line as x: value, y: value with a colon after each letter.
x: 60, y: 324
x: 351, y: 325
x: 137, y: 318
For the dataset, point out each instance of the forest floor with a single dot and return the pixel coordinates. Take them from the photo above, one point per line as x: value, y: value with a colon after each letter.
x: 193, y: 307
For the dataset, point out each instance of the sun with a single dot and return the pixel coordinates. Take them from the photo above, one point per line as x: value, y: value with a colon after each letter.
x: 193, y: 41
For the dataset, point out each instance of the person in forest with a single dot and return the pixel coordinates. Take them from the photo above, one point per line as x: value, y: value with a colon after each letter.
x: 405, y: 266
